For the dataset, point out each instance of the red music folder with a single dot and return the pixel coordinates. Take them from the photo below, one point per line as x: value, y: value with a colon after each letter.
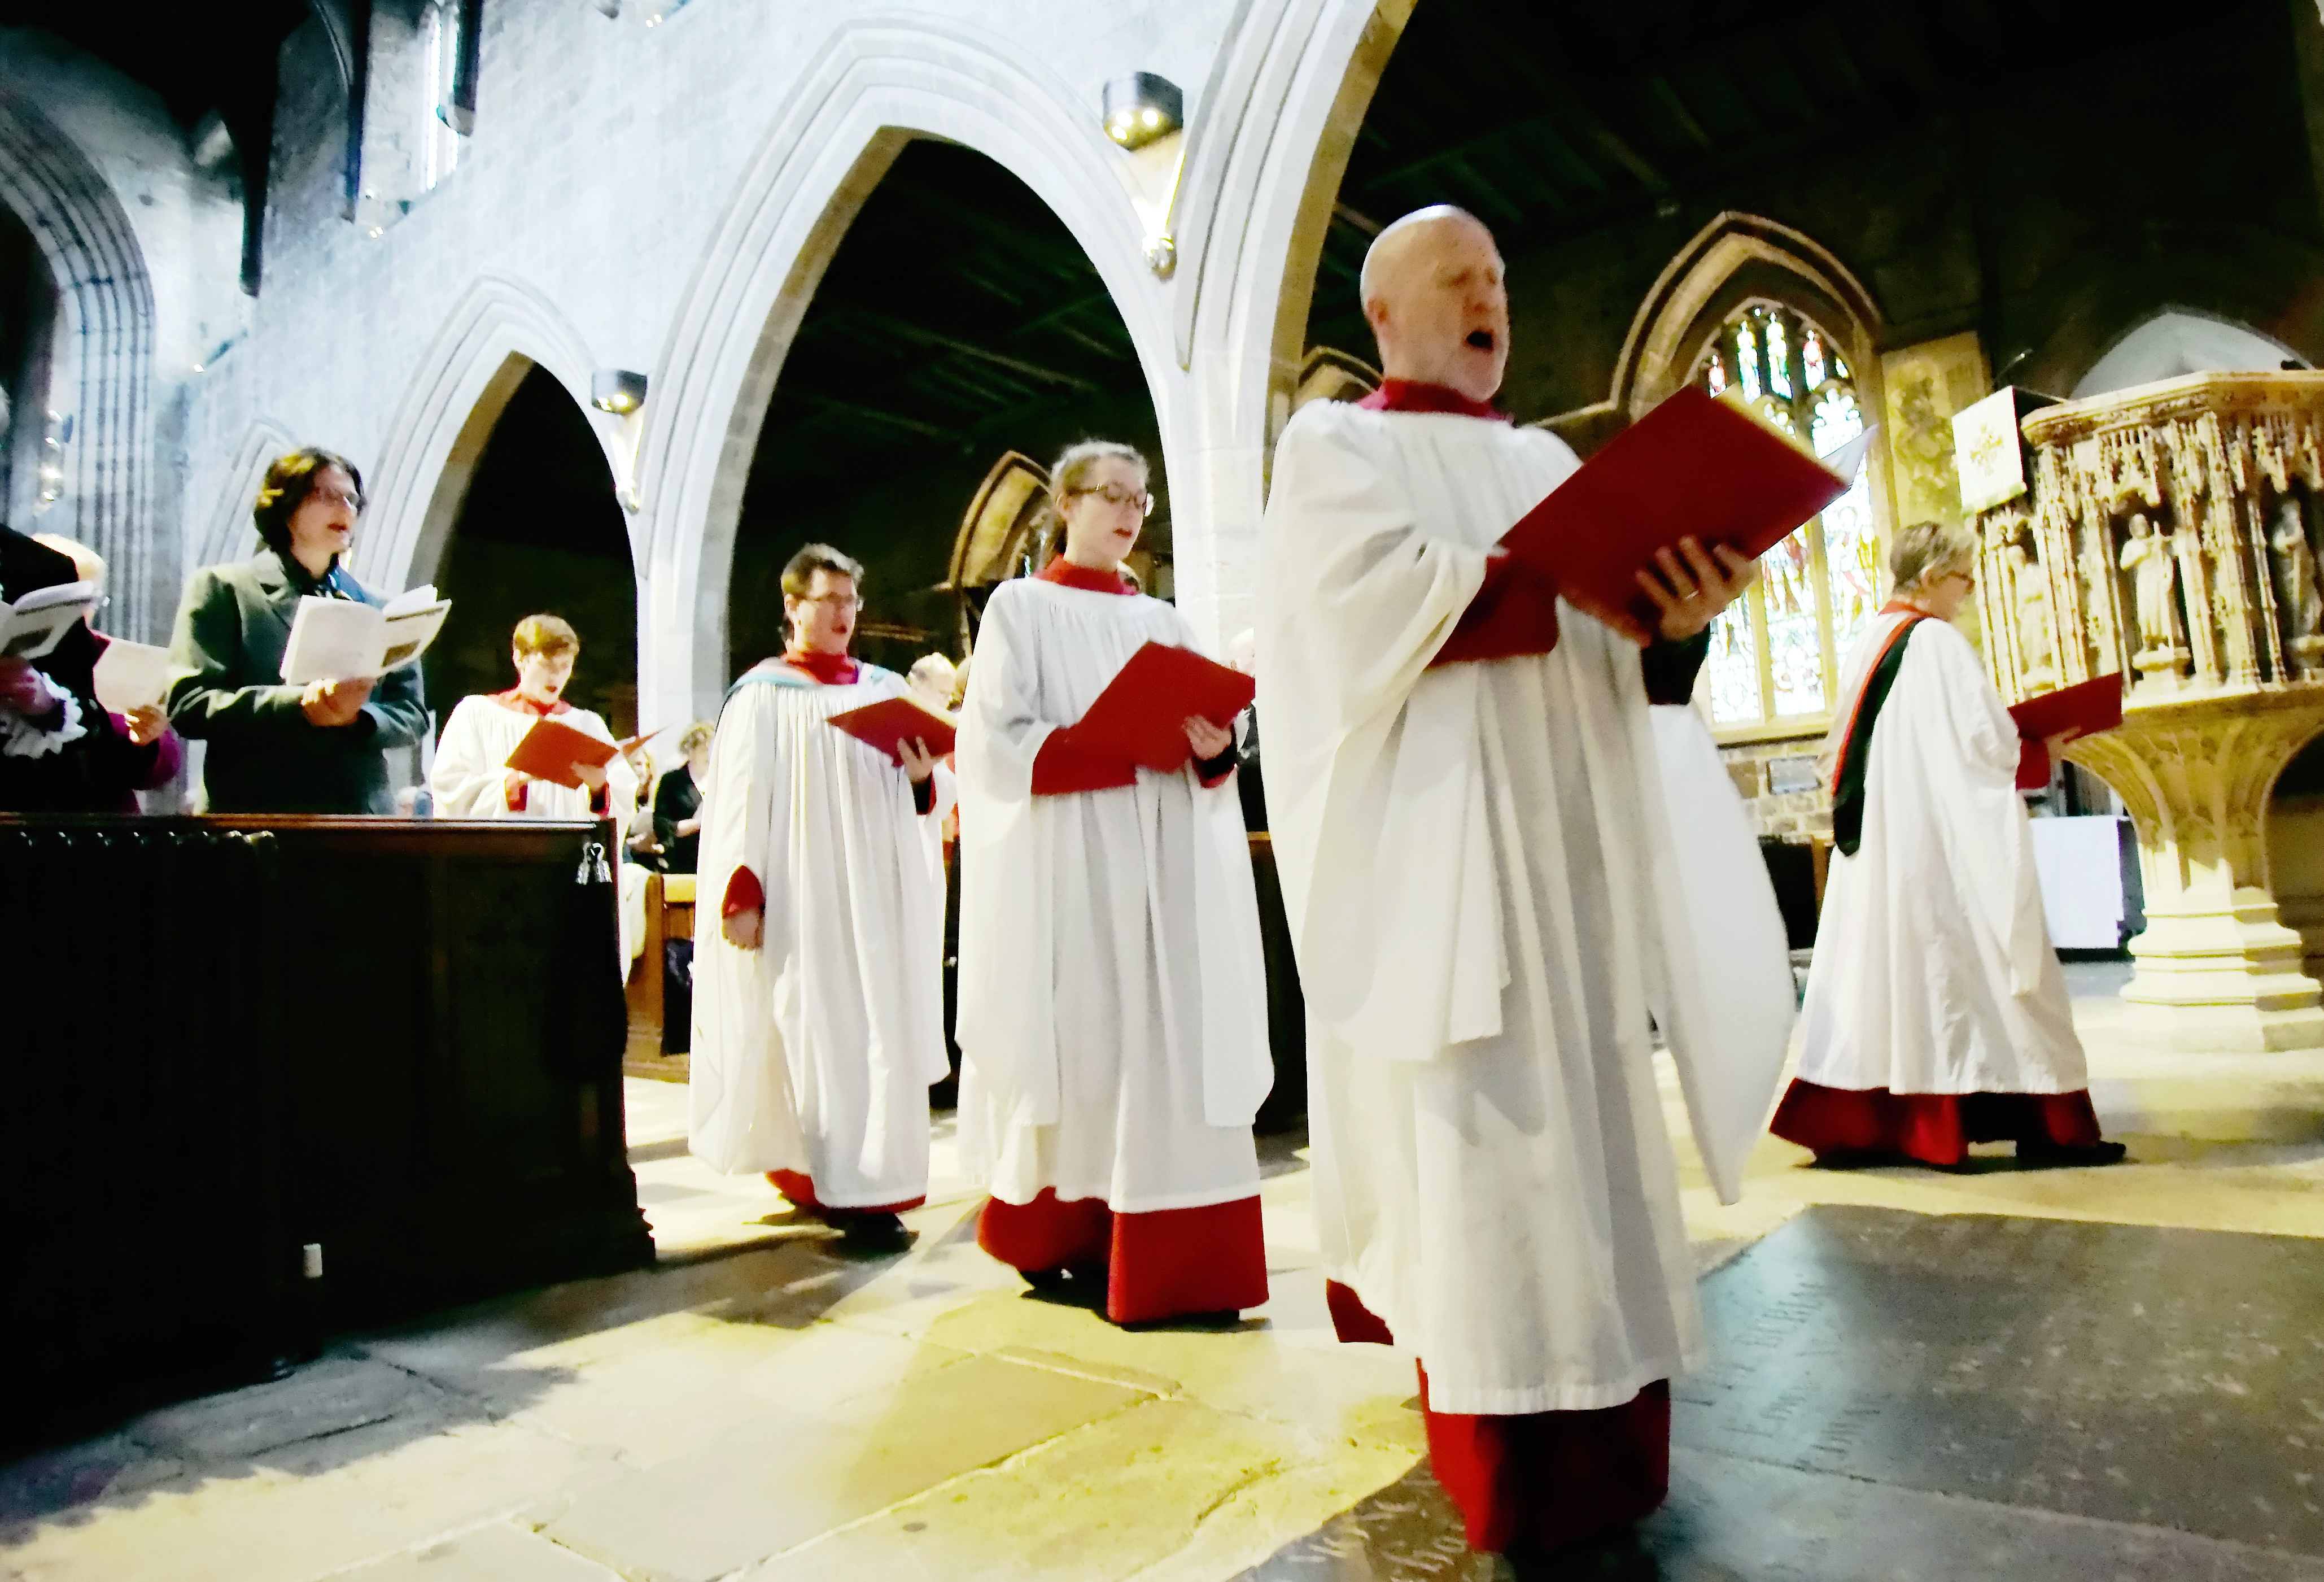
x: 551, y: 748
x: 2086, y: 708
x: 891, y: 720
x: 1692, y: 466
x: 1140, y: 718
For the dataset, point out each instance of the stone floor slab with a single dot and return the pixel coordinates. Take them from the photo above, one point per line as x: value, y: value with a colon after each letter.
x: 771, y: 1485
x: 499, y: 1552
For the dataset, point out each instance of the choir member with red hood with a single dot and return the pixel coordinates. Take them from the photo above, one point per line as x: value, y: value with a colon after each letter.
x: 1491, y: 894
x: 1113, y: 1005
x: 1937, y: 1016
x: 818, y: 1001
x: 470, y: 778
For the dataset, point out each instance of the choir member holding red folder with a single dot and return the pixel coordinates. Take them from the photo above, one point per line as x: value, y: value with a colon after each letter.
x: 1937, y: 1016
x: 1113, y: 1005
x: 818, y: 999
x: 475, y: 775
x: 1499, y: 862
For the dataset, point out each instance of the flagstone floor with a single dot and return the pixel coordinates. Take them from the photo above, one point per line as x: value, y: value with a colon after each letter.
x: 763, y: 1405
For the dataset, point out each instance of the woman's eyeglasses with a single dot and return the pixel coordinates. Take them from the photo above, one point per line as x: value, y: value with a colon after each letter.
x: 352, y: 501
x: 1115, y: 494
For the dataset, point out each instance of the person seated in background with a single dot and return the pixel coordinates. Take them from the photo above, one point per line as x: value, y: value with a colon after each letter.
x: 471, y: 780
x: 932, y: 680
x: 275, y: 747
x: 1242, y: 652
x: 677, y: 800
x: 640, y: 845
x: 59, y: 751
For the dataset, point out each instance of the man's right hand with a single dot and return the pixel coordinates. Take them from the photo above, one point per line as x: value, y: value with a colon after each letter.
x: 332, y: 704
x: 742, y: 929
x: 23, y: 689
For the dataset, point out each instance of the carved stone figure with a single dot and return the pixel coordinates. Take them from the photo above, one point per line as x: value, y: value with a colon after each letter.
x: 2300, y: 607
x: 2147, y: 555
x: 2037, y: 644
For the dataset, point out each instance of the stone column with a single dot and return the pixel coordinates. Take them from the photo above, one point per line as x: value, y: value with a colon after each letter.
x: 2217, y: 969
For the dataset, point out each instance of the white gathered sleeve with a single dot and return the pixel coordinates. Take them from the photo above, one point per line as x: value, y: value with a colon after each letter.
x: 1488, y: 915
x: 1112, y: 1000
x: 814, y: 1052
x: 1933, y: 971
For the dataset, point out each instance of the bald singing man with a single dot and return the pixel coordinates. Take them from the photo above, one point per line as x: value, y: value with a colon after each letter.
x: 1470, y: 821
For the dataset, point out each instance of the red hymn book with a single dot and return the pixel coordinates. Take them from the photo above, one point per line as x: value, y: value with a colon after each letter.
x: 1693, y: 466
x: 1141, y: 716
x: 550, y: 749
x: 2086, y: 708
x: 894, y: 720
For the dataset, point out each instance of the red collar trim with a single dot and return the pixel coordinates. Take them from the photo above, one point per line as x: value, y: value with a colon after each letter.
x: 1065, y: 574
x: 1905, y: 607
x: 517, y: 701
x: 832, y: 669
x: 1410, y: 395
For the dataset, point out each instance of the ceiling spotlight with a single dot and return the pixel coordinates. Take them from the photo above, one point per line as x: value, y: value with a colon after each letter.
x: 1142, y: 107
x: 617, y: 391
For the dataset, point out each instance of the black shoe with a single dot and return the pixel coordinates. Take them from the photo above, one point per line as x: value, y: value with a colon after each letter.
x: 867, y: 1232
x: 1044, y: 1278
x: 2043, y: 1152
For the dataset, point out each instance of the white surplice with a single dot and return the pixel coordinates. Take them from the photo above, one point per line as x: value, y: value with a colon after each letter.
x: 469, y: 780
x: 1112, y: 1019
x: 814, y: 1052
x: 1495, y: 875
x: 1933, y: 971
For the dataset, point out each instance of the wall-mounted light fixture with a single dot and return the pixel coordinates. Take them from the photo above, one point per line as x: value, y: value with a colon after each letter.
x: 1142, y: 108
x: 617, y: 391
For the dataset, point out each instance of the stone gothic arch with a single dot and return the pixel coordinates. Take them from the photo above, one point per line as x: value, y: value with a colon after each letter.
x: 878, y: 84
x: 1733, y: 260
x: 497, y: 332
x: 230, y: 534
x: 102, y: 376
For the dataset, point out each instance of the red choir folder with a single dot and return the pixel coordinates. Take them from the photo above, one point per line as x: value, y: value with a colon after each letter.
x: 1692, y: 466
x: 892, y: 720
x: 1140, y: 718
x: 551, y: 748
x: 2085, y: 708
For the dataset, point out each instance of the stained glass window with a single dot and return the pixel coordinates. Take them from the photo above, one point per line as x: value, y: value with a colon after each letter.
x: 1774, y: 654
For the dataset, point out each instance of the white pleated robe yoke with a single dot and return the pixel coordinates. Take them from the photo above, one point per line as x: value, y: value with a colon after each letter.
x: 469, y: 780
x: 814, y: 1053
x: 1496, y: 872
x: 1112, y: 1020
x: 1933, y: 971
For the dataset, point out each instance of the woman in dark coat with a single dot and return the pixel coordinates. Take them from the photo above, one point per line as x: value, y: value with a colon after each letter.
x: 275, y: 747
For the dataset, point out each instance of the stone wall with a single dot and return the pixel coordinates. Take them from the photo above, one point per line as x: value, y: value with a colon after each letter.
x: 1777, y: 783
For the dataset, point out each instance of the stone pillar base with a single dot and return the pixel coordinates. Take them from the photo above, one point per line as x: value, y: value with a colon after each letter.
x: 2221, y: 974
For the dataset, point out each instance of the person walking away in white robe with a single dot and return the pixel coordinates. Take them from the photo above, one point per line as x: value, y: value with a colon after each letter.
x: 1467, y: 804
x: 1113, y: 1000
x: 470, y: 778
x: 1937, y: 1016
x: 818, y: 1009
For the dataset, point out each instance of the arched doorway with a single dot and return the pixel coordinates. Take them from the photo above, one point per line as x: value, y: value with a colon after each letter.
x: 539, y: 531
x: 28, y: 314
x: 958, y: 320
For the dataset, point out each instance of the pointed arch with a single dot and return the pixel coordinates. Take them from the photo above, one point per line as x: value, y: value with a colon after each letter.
x: 879, y: 83
x: 229, y: 533
x: 103, y: 375
x: 497, y: 333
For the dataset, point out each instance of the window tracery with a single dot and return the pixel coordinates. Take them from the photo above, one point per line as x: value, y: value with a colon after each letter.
x: 1775, y: 653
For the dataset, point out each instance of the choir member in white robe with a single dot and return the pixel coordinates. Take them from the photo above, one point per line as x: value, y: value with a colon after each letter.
x: 1112, y: 1003
x: 470, y: 778
x: 1936, y: 1013
x: 818, y: 1001
x: 1467, y: 809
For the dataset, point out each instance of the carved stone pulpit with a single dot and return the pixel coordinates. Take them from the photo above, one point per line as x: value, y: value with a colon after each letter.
x: 2169, y: 536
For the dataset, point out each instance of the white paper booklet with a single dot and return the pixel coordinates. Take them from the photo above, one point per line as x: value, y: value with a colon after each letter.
x: 30, y: 626
x: 339, y: 640
x: 131, y: 675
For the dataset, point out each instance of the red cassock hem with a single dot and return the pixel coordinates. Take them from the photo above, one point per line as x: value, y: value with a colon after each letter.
x: 800, y: 1189
x: 1935, y: 1128
x: 1541, y: 1478
x: 1160, y: 1264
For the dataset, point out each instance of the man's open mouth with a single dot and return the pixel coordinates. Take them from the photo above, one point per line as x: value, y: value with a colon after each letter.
x: 1482, y: 339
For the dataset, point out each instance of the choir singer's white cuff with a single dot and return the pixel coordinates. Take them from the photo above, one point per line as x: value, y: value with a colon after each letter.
x: 21, y: 738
